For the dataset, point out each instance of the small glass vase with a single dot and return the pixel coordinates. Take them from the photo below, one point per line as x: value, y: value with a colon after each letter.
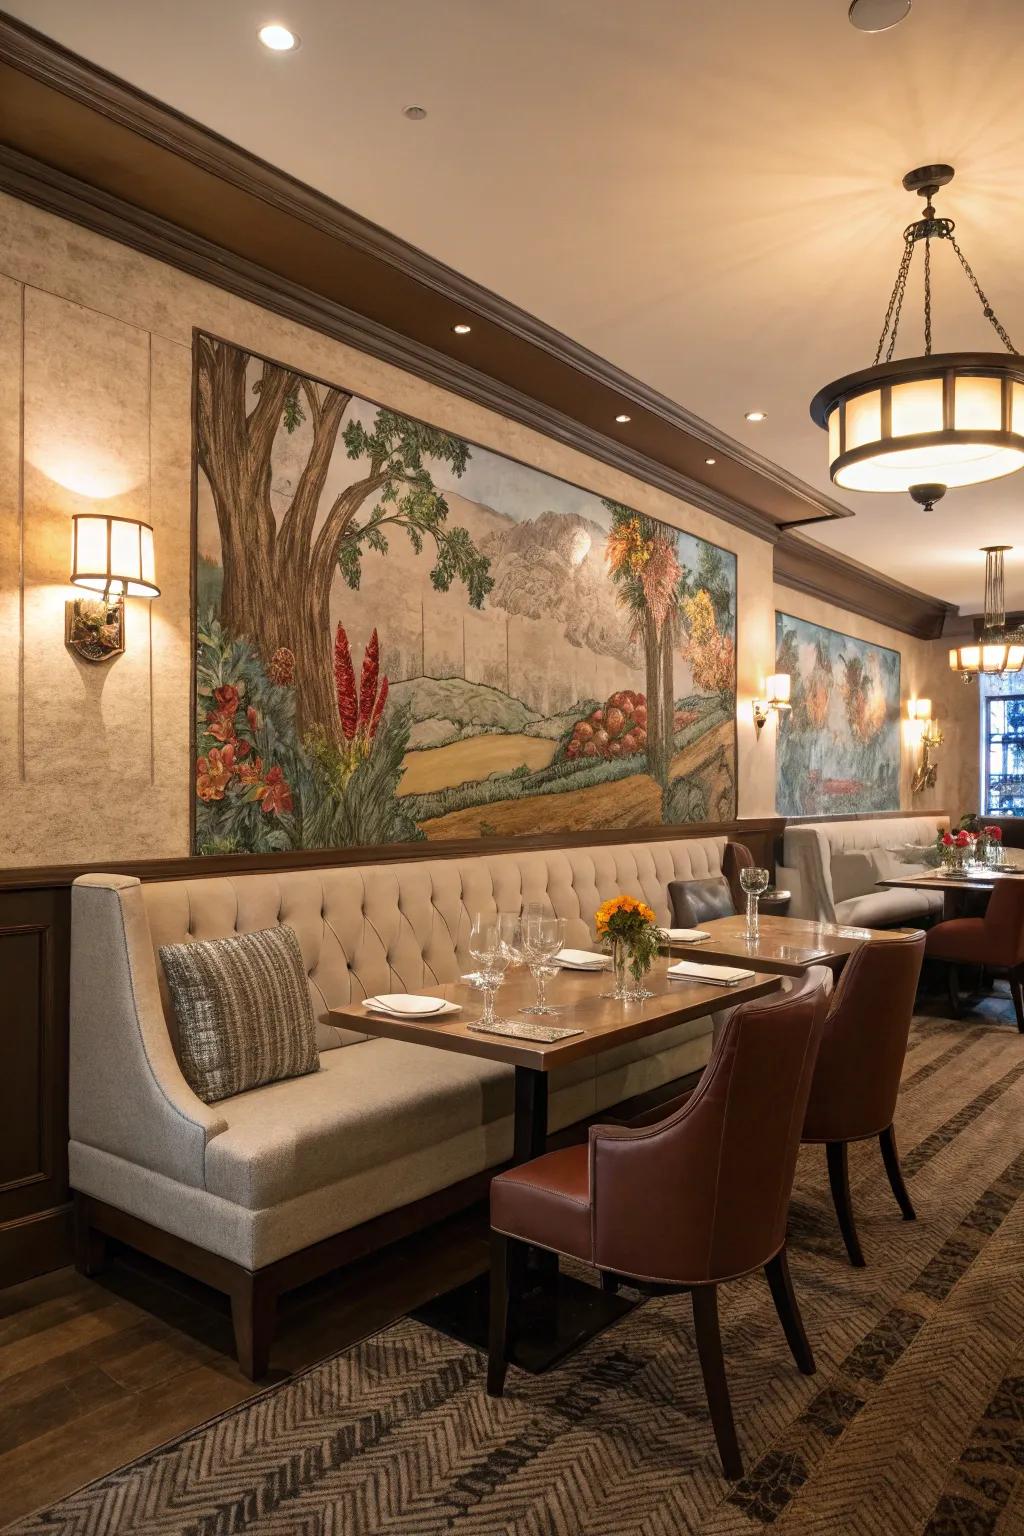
x: 753, y: 916
x: 625, y: 987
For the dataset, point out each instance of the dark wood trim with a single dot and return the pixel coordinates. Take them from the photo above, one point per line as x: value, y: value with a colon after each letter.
x: 91, y: 148
x: 823, y: 573
x: 198, y: 865
x: 35, y: 1244
x: 254, y: 1293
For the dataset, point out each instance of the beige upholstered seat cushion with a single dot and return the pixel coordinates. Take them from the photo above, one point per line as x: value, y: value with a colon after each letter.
x: 888, y: 908
x: 374, y: 1105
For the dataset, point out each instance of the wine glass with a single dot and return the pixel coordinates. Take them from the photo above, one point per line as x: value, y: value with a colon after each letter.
x: 754, y: 881
x: 510, y: 937
x: 543, y: 937
x: 485, y: 945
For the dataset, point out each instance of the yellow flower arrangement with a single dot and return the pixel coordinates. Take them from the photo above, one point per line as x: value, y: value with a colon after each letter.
x: 630, y: 927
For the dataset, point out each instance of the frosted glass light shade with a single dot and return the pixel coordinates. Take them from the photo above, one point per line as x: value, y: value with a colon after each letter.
x: 113, y: 555
x: 777, y: 688
x: 989, y: 656
x: 953, y: 419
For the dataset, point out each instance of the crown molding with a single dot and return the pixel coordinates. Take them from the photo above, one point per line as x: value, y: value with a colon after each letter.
x: 91, y: 148
x: 806, y: 566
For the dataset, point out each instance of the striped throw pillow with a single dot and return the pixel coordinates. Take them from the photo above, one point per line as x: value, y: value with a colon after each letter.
x: 243, y: 1011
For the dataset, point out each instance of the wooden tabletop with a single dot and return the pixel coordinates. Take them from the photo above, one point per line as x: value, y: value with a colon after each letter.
x: 577, y: 995
x: 787, y: 945
x: 939, y: 880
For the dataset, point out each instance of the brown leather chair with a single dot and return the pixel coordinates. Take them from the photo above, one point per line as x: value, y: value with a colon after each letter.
x: 857, y: 1076
x: 699, y: 1198
x: 736, y: 856
x: 995, y: 942
x: 698, y: 901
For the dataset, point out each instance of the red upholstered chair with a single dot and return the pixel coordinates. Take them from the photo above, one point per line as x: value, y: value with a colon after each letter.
x: 699, y: 1198
x: 995, y: 942
x: 857, y: 1075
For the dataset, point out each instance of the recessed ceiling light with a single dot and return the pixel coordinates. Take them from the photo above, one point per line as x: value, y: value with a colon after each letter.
x: 623, y: 418
x: 756, y: 415
x: 414, y: 114
x: 278, y: 38
x: 710, y: 461
x: 878, y: 15
x: 462, y: 329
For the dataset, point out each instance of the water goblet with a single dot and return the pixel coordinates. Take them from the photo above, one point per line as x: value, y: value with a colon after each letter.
x: 485, y: 945
x: 754, y: 882
x: 543, y: 937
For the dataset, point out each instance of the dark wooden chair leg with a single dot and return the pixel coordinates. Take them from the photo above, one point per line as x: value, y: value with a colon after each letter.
x: 90, y: 1245
x: 891, y: 1159
x: 609, y: 1283
x: 839, y: 1181
x: 253, y: 1313
x: 712, y: 1365
x: 497, y: 1349
x: 780, y: 1283
x: 1017, y: 993
x: 953, y: 988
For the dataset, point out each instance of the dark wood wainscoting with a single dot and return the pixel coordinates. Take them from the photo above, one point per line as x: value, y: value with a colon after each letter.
x: 35, y: 931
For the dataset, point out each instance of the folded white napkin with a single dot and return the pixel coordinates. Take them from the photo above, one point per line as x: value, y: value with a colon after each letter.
x: 718, y: 975
x: 686, y: 935
x: 581, y: 960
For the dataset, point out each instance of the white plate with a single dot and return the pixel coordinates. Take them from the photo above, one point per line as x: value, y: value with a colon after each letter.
x: 404, y: 1005
x: 581, y: 960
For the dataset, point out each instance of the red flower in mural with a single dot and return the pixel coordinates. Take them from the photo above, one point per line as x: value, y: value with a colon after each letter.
x: 378, y: 709
x: 214, y: 772
x: 368, y: 681
x: 254, y: 719
x: 250, y: 773
x: 226, y: 700
x: 274, y: 793
x: 345, y: 684
x: 220, y: 727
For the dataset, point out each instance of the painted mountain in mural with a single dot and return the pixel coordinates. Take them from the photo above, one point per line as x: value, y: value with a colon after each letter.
x: 400, y: 635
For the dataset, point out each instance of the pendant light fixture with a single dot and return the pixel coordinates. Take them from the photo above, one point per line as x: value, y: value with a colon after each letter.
x: 923, y: 424
x: 997, y: 649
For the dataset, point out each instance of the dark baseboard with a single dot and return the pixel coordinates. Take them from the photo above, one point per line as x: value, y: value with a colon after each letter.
x: 35, y: 1244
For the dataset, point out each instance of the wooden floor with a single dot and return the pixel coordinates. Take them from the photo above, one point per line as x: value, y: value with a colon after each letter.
x: 95, y: 1372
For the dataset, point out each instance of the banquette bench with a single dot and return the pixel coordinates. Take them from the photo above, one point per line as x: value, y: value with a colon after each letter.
x: 833, y: 869
x: 260, y: 1192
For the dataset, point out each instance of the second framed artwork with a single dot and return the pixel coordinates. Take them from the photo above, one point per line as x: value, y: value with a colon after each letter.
x: 400, y: 635
x: 838, y: 749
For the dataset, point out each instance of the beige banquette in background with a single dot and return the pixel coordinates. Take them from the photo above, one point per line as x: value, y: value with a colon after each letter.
x: 833, y: 869
x: 382, y: 1123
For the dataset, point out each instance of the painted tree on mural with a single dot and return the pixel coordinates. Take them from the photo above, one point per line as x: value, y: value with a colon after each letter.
x: 645, y: 567
x: 279, y: 570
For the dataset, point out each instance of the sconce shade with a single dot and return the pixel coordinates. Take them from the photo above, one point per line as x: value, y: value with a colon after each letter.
x: 777, y: 688
x: 920, y: 709
x: 113, y: 555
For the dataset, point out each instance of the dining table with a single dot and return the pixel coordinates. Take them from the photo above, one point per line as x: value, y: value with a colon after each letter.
x: 954, y: 887
x: 786, y: 946
x: 557, y: 1312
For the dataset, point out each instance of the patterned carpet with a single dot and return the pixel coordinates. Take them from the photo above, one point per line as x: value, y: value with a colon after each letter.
x: 913, y: 1424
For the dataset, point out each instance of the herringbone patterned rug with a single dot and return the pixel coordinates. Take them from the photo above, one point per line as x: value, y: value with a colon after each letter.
x: 913, y: 1424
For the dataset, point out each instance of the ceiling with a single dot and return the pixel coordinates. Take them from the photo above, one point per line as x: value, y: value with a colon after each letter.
x: 708, y: 195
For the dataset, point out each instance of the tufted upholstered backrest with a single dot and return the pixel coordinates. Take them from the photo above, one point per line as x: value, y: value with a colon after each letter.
x: 404, y: 927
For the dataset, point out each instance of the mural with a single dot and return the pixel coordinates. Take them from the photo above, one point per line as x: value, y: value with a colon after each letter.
x: 402, y: 636
x: 839, y: 747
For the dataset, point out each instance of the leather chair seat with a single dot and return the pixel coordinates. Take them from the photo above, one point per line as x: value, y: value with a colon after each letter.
x: 961, y: 938
x: 547, y: 1202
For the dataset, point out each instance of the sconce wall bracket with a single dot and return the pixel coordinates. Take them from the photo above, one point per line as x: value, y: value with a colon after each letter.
x: 94, y: 627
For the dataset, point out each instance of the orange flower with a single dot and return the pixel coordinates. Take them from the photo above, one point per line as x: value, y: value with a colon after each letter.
x: 250, y: 773
x: 274, y: 794
x: 627, y: 905
x: 213, y: 773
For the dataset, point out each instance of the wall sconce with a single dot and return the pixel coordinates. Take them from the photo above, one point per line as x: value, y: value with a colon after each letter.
x: 776, y: 697
x: 926, y: 734
x: 114, y: 557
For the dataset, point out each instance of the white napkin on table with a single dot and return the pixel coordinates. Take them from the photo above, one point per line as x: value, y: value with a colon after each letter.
x: 719, y: 975
x: 686, y: 935
x: 581, y: 960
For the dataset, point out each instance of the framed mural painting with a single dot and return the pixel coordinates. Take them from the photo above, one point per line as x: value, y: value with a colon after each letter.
x: 838, y: 747
x: 402, y: 636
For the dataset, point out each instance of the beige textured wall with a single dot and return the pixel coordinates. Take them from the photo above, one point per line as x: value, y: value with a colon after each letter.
x: 95, y: 378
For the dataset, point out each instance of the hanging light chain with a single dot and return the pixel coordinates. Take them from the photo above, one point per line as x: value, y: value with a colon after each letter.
x: 928, y: 297
x: 892, y: 314
x: 989, y: 312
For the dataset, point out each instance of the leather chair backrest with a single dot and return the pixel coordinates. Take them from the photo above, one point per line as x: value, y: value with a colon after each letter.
x: 1004, y: 924
x: 864, y: 1041
x: 736, y: 856
x: 704, y: 1194
x: 698, y: 901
